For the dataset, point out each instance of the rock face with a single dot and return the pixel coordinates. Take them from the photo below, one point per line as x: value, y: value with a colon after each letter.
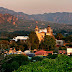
x: 4, y: 18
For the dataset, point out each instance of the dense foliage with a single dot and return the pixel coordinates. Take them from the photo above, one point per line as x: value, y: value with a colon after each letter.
x: 62, y: 48
x: 37, y: 58
x: 10, y: 35
x: 68, y: 39
x: 20, y: 44
x: 62, y: 63
x: 59, y: 36
x: 33, y: 41
x: 50, y: 56
x: 4, y: 44
x: 48, y: 43
x: 12, y: 62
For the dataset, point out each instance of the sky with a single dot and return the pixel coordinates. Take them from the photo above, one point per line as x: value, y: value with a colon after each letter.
x: 37, y: 6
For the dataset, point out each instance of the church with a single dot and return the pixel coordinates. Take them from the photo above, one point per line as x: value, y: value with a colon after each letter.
x: 42, y: 32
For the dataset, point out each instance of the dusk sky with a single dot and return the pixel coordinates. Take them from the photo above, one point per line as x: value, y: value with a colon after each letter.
x: 37, y: 6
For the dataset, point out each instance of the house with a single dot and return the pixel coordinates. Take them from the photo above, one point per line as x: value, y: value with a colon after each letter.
x: 20, y: 38
x: 28, y: 53
x: 43, y: 53
x: 59, y: 42
x: 12, y: 51
x: 69, y: 50
x: 62, y: 51
x: 20, y: 52
x: 50, y: 52
x: 35, y: 50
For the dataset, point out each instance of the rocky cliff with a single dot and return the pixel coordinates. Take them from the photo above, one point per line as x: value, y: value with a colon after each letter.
x: 7, y: 18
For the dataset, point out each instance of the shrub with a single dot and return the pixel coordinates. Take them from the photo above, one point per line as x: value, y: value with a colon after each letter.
x: 12, y: 62
x: 52, y: 56
x: 62, y: 63
x: 37, y: 58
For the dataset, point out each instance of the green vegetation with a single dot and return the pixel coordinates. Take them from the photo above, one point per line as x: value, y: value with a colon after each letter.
x: 50, y: 56
x: 37, y: 58
x: 59, y: 36
x: 13, y: 62
x: 68, y: 39
x: 48, y: 43
x: 29, y: 25
x: 52, y: 63
x: 62, y: 63
x: 62, y: 48
x: 33, y: 41
x: 4, y: 44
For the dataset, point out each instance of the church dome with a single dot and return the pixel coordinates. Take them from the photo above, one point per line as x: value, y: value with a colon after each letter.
x: 49, y: 30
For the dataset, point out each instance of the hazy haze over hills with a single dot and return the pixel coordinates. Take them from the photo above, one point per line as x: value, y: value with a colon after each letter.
x: 37, y: 6
x: 11, y: 21
x: 57, y: 17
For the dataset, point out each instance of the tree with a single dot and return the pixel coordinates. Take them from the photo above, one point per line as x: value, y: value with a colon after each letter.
x: 13, y: 44
x: 68, y: 39
x: 13, y: 62
x: 4, y: 44
x: 22, y: 45
x: 49, y: 42
x: 14, y: 65
x: 33, y: 40
x: 41, y: 46
x: 59, y: 36
x: 28, y: 44
x: 62, y: 48
x: 60, y: 63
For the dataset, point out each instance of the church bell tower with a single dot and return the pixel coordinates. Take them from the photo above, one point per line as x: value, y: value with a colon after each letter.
x: 36, y: 29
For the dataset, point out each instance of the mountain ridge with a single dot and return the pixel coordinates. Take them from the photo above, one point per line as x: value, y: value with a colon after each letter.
x: 11, y: 21
x: 58, y: 17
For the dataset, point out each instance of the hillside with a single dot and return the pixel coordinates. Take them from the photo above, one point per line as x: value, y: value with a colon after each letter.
x: 11, y: 21
x: 57, y: 17
x: 7, y: 18
x: 29, y: 25
x: 19, y: 15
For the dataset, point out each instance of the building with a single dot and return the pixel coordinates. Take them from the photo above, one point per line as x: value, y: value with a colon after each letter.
x: 42, y: 32
x: 69, y: 50
x: 12, y: 51
x: 20, y: 38
x: 59, y: 42
x: 43, y: 53
x: 62, y: 52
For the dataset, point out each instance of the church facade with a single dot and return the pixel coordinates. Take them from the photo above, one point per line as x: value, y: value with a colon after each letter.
x: 42, y: 32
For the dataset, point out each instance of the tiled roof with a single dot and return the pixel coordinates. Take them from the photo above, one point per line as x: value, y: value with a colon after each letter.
x: 42, y: 52
x: 69, y: 47
x: 62, y: 51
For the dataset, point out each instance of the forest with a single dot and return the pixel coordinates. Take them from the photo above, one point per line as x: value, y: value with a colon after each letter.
x: 20, y: 63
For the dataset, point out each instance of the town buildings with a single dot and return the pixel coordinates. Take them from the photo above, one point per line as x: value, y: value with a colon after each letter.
x: 20, y: 38
x: 42, y: 32
x: 69, y: 50
x: 59, y: 42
